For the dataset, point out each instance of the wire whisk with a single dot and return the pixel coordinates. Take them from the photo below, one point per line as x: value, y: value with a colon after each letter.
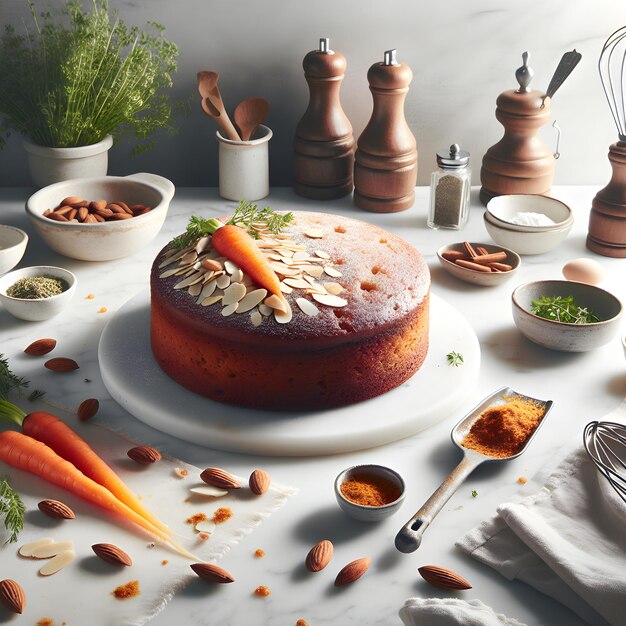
x: 611, y: 65
x: 605, y: 443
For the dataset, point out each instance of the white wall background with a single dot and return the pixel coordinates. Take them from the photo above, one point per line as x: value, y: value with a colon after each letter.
x: 463, y: 54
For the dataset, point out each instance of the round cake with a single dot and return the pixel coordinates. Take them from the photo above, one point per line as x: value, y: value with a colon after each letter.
x: 357, y: 328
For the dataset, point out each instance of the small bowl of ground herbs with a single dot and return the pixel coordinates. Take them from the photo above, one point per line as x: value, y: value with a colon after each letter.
x: 37, y: 293
x: 369, y: 493
x: 565, y: 315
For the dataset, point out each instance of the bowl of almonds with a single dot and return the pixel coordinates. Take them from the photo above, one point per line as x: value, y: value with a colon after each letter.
x: 99, y: 219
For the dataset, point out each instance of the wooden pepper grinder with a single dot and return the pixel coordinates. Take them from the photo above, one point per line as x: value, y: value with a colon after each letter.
x: 324, y: 145
x: 520, y: 162
x: 385, y: 171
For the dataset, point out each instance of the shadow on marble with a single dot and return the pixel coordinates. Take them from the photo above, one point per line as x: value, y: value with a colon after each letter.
x: 442, y: 278
x: 331, y: 523
x: 199, y: 588
x: 36, y: 518
x: 7, y: 616
x: 616, y: 385
x: 389, y: 559
x: 95, y: 565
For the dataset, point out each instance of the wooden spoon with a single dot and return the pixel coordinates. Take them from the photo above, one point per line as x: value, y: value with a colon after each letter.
x: 249, y: 114
x: 213, y: 105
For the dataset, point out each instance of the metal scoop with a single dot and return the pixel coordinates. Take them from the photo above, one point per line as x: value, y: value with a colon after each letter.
x: 410, y: 536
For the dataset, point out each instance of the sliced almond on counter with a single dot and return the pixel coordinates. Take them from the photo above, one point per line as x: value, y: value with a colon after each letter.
x: 206, y: 526
x: 51, y: 549
x: 57, y: 563
x: 209, y: 491
x: 27, y: 549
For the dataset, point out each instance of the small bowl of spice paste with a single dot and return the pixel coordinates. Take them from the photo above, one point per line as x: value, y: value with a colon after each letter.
x: 37, y: 293
x: 369, y: 493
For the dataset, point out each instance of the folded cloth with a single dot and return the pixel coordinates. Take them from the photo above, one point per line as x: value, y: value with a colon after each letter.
x: 567, y: 540
x: 451, y: 612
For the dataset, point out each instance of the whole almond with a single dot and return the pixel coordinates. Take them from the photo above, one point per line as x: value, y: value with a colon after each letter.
x: 219, y: 478
x: 83, y: 212
x: 64, y: 210
x: 54, y: 508
x: 97, y: 205
x: 116, y: 208
x: 211, y: 264
x: 319, y: 556
x: 103, y: 212
x: 72, y: 201
x: 56, y: 217
x: 443, y: 578
x: 123, y: 205
x: 144, y: 455
x: 61, y: 364
x: 41, y: 347
x: 111, y: 554
x: 352, y: 571
x: 259, y: 482
x: 120, y: 216
x: 212, y: 573
x: 87, y: 409
x: 12, y: 596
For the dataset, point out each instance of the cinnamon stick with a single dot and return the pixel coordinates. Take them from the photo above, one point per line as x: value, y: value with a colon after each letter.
x: 473, y: 266
x: 454, y: 255
x: 470, y: 250
x: 502, y: 267
x: 486, y: 259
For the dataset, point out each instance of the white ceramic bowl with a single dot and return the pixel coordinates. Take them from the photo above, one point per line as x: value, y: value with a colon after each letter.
x: 505, y: 208
x: 559, y: 335
x: 37, y: 310
x: 484, y: 279
x: 12, y: 246
x: 536, y: 242
x: 369, y: 513
x: 105, y: 240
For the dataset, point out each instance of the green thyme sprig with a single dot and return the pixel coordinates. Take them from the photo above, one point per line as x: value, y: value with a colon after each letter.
x: 12, y: 509
x: 559, y: 309
x: 9, y: 381
x: 455, y: 358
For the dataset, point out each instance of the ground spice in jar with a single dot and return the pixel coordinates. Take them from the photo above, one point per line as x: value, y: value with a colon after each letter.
x: 502, y: 430
x: 222, y: 515
x: 37, y: 287
x: 129, y: 590
x: 369, y: 490
x: 448, y: 201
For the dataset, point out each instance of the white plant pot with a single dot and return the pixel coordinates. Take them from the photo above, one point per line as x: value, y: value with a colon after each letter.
x: 53, y: 165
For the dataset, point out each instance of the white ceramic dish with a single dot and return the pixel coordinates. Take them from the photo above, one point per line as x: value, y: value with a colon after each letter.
x: 369, y: 513
x: 37, y: 310
x: 559, y: 335
x: 12, y: 247
x: 484, y: 279
x: 522, y: 242
x: 105, y: 240
x: 505, y: 208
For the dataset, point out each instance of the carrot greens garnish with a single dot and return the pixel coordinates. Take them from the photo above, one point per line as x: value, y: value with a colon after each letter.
x: 8, y: 380
x: 12, y: 508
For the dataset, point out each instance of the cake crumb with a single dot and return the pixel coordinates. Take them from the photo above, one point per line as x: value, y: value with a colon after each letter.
x: 203, y: 536
x: 129, y: 590
x: 262, y: 591
x: 222, y: 515
x: 522, y: 480
x: 151, y: 545
x: 45, y: 621
x: 164, y: 562
x: 179, y: 472
x: 259, y: 554
x: 90, y: 296
x: 102, y: 309
x: 196, y: 518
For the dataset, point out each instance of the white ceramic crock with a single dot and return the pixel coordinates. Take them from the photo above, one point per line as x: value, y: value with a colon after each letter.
x: 52, y: 165
x: 244, y: 166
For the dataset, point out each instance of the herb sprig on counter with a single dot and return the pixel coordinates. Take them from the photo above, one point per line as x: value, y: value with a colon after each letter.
x: 9, y: 381
x: 245, y: 216
x: 12, y: 509
x: 455, y: 358
x: 559, y: 309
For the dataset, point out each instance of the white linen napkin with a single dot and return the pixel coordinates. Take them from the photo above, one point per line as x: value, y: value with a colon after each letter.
x: 81, y: 593
x: 567, y: 540
x: 451, y: 612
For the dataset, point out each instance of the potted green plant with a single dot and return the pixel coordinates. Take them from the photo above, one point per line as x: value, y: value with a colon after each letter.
x: 77, y: 79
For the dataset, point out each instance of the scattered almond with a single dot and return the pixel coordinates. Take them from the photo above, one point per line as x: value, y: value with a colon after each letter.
x: 443, y: 578
x: 54, y: 508
x: 319, y: 556
x: 219, y: 478
x: 144, y: 455
x: 41, y: 347
x: 12, y: 596
x: 259, y: 482
x: 61, y: 364
x: 111, y: 554
x: 87, y: 409
x: 212, y: 573
x: 352, y: 571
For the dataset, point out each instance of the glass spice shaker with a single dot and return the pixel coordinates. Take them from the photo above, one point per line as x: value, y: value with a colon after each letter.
x: 450, y: 189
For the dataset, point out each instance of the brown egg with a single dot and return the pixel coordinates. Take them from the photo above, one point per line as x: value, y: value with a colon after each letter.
x: 584, y: 271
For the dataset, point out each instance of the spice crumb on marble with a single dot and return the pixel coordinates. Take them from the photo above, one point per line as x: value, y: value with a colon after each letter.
x: 222, y: 515
x: 262, y: 591
x: 126, y: 591
x: 259, y: 554
x: 102, y: 309
x: 522, y: 480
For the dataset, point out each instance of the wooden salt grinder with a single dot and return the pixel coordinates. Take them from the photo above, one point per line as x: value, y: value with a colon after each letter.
x: 324, y: 145
x: 520, y: 162
x: 385, y: 171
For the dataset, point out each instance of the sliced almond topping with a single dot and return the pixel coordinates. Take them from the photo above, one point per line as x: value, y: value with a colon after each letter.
x: 173, y: 257
x: 283, y: 270
x: 285, y: 253
x: 322, y: 255
x: 190, y: 257
x: 58, y: 562
x: 51, y: 549
x: 251, y: 299
x: 314, y: 270
x: 223, y: 281
x: 207, y: 291
x: 234, y: 293
x: 297, y: 283
x: 203, y: 244
x: 314, y: 233
x: 331, y: 271
x: 283, y: 317
x: 209, y: 491
x: 285, y: 288
x: 301, y: 255
x: 211, y: 300
x: 333, y: 288
x: 266, y: 243
x: 190, y: 280
x: 329, y: 300
x: 307, y: 307
x: 236, y: 276
x: 256, y: 318
x: 265, y: 310
x: 27, y: 549
x: 206, y: 526
x: 277, y: 303
x: 168, y: 273
x: 229, y: 309
x: 212, y: 264
x: 195, y: 290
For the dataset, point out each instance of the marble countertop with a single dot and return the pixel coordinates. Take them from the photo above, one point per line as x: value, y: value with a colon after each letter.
x: 584, y: 387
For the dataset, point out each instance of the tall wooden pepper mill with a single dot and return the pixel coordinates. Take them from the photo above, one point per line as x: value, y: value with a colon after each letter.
x: 520, y: 162
x: 385, y: 171
x: 324, y: 145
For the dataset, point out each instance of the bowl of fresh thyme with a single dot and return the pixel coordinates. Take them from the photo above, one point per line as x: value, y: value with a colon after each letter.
x: 565, y: 315
x: 37, y: 293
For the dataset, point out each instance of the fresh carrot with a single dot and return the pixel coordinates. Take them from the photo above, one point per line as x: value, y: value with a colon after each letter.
x: 30, y: 455
x: 237, y: 245
x: 50, y: 430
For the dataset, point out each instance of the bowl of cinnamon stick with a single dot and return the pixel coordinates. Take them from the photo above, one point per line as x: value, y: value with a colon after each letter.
x: 479, y: 263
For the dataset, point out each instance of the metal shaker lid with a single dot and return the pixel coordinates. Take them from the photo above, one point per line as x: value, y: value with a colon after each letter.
x: 453, y: 157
